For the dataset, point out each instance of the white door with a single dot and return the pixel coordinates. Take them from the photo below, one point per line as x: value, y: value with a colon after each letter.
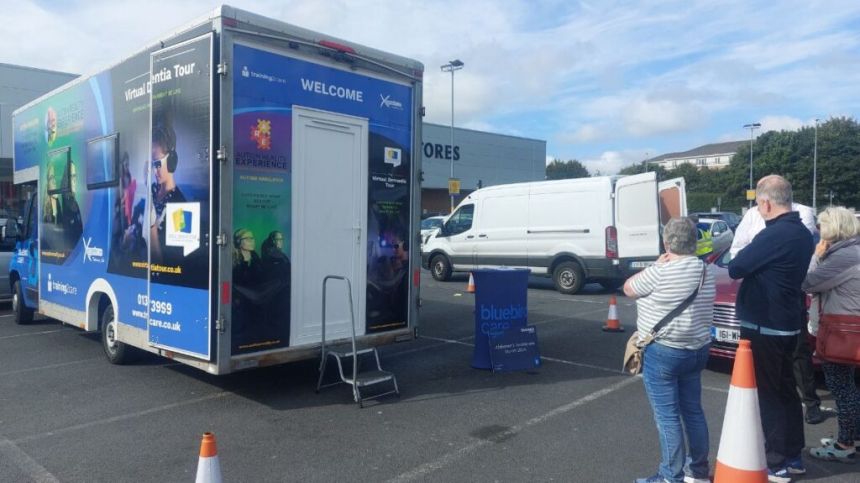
x: 329, y: 222
x: 636, y: 217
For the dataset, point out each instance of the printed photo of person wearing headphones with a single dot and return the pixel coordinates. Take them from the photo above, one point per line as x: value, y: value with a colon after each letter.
x: 164, y: 189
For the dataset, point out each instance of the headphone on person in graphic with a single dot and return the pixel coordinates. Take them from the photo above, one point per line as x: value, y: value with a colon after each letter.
x: 166, y: 138
x: 239, y: 235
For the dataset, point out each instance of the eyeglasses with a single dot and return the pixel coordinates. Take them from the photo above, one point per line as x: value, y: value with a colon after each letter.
x: 248, y: 238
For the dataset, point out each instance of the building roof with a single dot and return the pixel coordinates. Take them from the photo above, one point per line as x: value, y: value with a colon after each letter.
x: 730, y: 147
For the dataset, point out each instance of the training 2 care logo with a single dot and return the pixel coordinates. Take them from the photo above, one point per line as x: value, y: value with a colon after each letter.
x: 262, y: 134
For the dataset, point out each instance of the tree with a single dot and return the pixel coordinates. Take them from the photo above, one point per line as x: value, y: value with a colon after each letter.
x: 566, y: 169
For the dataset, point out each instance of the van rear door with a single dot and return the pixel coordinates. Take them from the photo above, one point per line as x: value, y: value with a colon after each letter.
x: 636, y: 216
x: 673, y: 199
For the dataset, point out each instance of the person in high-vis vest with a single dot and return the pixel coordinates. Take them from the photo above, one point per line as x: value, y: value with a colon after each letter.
x: 705, y: 243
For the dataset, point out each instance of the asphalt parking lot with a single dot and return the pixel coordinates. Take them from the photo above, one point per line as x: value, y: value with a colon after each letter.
x: 66, y: 414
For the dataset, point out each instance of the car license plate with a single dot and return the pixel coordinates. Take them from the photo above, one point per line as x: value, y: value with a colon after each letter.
x: 725, y: 335
x: 642, y: 264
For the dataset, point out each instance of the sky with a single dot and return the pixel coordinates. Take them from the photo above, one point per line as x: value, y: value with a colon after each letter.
x: 608, y: 83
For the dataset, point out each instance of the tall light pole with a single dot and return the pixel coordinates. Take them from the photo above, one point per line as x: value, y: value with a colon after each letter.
x: 455, y: 64
x: 751, y: 127
x: 815, y: 170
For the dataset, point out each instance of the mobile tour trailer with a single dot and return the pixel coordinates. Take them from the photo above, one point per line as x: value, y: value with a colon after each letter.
x: 192, y: 198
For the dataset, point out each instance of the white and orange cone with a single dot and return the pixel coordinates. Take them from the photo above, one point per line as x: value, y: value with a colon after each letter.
x: 741, y: 458
x: 208, y: 468
x: 612, y: 322
x: 470, y: 287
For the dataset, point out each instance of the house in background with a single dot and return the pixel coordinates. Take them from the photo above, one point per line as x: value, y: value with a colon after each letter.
x: 711, y: 156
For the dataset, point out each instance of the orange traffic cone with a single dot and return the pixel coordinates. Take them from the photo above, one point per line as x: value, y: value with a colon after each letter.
x: 208, y: 469
x: 741, y: 458
x: 612, y: 322
x: 470, y: 287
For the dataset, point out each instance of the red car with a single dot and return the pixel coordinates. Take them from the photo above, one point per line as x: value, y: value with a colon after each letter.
x: 726, y: 329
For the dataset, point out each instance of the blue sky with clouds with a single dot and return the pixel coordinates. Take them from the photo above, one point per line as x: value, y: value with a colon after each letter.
x: 605, y: 82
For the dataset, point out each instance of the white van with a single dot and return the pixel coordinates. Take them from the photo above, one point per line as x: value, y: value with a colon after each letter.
x: 599, y: 229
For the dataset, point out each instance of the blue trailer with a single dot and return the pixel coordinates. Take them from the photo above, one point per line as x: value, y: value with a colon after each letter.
x: 192, y: 198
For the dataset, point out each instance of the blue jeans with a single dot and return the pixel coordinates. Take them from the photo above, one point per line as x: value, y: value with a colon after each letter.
x: 673, y: 382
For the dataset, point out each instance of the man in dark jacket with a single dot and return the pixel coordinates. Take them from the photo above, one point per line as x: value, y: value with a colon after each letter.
x: 769, y: 306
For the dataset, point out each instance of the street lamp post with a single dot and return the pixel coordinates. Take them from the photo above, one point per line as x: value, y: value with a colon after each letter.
x: 751, y: 127
x: 452, y: 66
x: 815, y: 170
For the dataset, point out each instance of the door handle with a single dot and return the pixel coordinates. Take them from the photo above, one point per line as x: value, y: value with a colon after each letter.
x: 482, y: 235
x: 469, y: 237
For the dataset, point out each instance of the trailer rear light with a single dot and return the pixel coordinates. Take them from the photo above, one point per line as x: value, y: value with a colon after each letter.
x: 336, y: 46
x: 611, y: 242
x: 230, y: 22
x: 416, y: 278
x: 225, y: 293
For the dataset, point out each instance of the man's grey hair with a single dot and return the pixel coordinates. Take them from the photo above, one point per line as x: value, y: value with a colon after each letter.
x: 776, y: 189
x: 680, y: 236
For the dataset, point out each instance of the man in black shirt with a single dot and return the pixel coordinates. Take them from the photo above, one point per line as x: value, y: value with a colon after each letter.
x: 769, y: 306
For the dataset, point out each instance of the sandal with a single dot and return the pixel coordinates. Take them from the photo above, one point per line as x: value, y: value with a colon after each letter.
x: 831, y: 452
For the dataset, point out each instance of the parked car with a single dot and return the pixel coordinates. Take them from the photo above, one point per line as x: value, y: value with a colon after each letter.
x: 714, y: 236
x: 8, y: 236
x: 430, y: 225
x: 732, y: 219
x: 726, y: 328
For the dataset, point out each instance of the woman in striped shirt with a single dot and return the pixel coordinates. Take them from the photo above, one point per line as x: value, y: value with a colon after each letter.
x: 673, y: 364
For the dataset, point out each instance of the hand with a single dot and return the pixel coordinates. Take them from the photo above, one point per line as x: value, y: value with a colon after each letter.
x: 821, y: 248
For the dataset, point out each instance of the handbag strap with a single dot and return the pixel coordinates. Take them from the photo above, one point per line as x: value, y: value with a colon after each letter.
x: 677, y: 310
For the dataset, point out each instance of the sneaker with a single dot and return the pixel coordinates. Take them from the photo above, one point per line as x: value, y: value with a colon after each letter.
x: 652, y: 479
x: 778, y: 475
x: 795, y: 466
x: 690, y: 479
x: 819, y: 414
x: 831, y: 452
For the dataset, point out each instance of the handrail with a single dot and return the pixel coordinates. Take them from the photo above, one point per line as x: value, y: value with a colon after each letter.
x: 352, y: 323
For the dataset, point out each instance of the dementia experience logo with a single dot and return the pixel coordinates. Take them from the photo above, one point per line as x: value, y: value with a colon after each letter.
x: 183, y: 229
x: 261, y: 133
x: 387, y: 101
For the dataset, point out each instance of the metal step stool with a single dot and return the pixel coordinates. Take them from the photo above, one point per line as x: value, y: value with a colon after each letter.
x: 358, y: 380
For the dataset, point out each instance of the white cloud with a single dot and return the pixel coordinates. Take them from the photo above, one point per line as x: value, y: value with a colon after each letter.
x: 645, y: 117
x: 781, y: 123
x: 610, y: 162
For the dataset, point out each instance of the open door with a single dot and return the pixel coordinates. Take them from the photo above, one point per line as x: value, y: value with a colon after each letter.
x: 673, y: 199
x: 636, y: 216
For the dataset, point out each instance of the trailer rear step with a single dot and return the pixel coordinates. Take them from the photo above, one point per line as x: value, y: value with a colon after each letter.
x: 358, y: 380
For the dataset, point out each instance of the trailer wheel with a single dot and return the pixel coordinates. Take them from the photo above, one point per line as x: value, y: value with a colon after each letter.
x: 440, y: 267
x: 23, y: 314
x: 568, y: 277
x: 116, y: 351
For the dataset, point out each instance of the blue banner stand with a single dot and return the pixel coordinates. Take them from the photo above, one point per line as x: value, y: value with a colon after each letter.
x: 501, y: 303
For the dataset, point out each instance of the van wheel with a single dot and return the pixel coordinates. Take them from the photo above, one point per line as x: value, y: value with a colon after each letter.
x: 116, y: 351
x: 440, y: 267
x: 568, y: 277
x: 23, y: 314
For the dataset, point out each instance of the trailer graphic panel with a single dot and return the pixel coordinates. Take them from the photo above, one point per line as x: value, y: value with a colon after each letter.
x: 266, y: 87
x: 179, y: 257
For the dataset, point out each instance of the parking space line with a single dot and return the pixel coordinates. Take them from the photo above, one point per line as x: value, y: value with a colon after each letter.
x: 11, y: 452
x: 13, y: 336
x: 448, y: 459
x: 51, y: 366
x: 121, y: 417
